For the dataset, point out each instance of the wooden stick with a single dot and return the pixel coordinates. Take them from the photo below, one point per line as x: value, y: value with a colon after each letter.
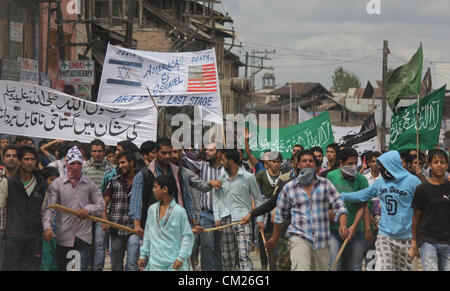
x: 415, y: 263
x: 122, y: 227
x: 264, y: 240
x: 221, y: 227
x: 90, y: 217
x: 339, y: 254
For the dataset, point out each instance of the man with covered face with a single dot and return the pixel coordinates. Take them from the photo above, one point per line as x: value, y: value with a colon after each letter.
x: 304, y: 202
x: 396, y: 191
x: 81, y: 194
x: 347, y: 179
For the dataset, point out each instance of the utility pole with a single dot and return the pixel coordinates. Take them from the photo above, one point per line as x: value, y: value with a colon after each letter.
x: 290, y: 104
x: 258, y: 68
x: 129, y: 24
x: 383, y: 92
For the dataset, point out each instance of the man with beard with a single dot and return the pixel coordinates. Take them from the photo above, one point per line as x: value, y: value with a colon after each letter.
x: 210, y: 242
x: 231, y: 204
x: 24, y: 198
x: 348, y: 179
x: 304, y: 202
x: 117, y: 194
x: 195, y: 187
x: 396, y: 191
x: 4, y: 142
x: 81, y: 194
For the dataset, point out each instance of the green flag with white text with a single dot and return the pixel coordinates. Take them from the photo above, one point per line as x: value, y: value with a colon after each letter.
x: 316, y: 131
x: 404, y: 123
x: 404, y: 80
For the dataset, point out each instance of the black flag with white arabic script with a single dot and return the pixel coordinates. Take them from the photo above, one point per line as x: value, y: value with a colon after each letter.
x: 368, y: 131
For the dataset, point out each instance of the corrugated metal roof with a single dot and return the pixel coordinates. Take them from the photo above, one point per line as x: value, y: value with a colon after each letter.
x: 299, y: 88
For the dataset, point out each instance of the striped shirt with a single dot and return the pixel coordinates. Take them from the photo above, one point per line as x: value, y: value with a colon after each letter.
x: 309, y: 217
x: 96, y: 172
x: 207, y: 173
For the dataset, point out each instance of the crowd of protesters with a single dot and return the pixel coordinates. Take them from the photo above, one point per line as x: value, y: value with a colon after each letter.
x: 207, y: 209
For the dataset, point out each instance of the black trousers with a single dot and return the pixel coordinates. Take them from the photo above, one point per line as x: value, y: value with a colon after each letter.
x: 22, y: 254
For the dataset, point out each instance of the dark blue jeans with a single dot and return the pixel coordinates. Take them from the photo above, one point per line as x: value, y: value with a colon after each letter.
x: 73, y: 258
x: 352, y: 255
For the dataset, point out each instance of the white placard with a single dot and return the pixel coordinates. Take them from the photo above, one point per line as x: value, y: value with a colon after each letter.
x: 173, y: 79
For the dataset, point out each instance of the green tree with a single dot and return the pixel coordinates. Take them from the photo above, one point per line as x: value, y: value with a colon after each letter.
x: 343, y: 80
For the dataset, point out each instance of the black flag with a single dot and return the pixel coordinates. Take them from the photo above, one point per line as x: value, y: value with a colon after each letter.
x: 368, y: 131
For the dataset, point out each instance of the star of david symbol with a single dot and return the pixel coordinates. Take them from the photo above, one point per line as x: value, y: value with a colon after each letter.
x: 123, y: 72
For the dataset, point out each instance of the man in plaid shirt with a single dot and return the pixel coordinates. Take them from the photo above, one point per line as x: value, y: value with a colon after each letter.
x: 306, y: 200
x: 118, y: 194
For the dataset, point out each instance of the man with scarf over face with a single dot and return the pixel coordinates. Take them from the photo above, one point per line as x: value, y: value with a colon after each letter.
x: 306, y: 201
x: 73, y: 232
x: 396, y: 192
x: 347, y: 179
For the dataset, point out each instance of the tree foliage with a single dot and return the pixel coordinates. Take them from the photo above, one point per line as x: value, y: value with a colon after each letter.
x: 343, y: 80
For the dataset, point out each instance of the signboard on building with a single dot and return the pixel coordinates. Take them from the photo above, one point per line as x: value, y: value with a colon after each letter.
x: 77, y: 72
x: 44, y: 80
x: 15, y: 31
x: 9, y: 70
x: 29, y: 70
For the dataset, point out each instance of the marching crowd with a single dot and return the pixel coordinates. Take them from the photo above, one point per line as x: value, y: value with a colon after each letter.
x: 207, y: 209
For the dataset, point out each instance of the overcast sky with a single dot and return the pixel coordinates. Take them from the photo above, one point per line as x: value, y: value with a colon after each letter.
x: 313, y: 37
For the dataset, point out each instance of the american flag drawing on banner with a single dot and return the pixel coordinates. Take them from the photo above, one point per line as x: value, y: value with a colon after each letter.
x: 202, y: 78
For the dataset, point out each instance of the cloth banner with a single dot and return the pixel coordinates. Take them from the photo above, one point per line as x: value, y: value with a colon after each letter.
x: 370, y: 145
x: 314, y: 132
x: 404, y: 123
x: 37, y: 111
x: 303, y: 115
x: 368, y: 131
x: 174, y: 79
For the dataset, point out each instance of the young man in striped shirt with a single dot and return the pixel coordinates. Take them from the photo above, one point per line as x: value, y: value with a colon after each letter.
x: 306, y: 199
x: 95, y: 169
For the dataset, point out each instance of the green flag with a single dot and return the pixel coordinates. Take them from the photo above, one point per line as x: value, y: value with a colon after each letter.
x: 314, y: 132
x: 404, y: 123
x: 404, y: 80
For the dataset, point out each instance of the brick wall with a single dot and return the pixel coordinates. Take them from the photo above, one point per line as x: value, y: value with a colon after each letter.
x: 150, y: 39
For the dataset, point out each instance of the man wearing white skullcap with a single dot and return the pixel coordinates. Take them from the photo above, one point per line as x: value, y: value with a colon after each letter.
x: 79, y: 193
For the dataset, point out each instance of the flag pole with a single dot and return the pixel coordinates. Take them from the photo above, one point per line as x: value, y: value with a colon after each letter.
x: 417, y: 125
x: 159, y: 114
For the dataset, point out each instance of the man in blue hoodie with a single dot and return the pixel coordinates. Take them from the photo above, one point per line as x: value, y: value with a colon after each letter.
x: 396, y: 191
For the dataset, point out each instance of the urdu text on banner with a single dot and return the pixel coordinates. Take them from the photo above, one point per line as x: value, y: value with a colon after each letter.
x: 37, y: 111
x: 173, y: 79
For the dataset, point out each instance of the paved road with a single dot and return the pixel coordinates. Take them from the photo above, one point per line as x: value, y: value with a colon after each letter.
x: 254, y: 256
